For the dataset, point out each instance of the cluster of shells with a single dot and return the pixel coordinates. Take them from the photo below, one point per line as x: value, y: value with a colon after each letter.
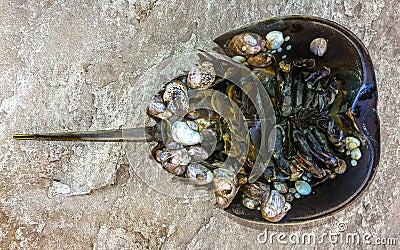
x: 311, y: 140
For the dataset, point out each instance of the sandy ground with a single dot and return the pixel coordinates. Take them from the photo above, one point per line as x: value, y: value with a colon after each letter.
x: 69, y: 66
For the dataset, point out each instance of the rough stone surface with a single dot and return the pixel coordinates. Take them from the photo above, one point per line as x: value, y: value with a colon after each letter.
x: 75, y: 65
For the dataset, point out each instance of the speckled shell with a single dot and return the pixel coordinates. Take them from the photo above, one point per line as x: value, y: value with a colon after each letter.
x: 256, y: 190
x: 175, y: 161
x: 176, y: 97
x: 250, y: 203
x: 201, y: 77
x: 246, y: 44
x: 319, y: 46
x: 198, y: 153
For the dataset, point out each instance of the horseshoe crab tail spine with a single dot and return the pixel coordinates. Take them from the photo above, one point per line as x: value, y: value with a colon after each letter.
x: 117, y: 135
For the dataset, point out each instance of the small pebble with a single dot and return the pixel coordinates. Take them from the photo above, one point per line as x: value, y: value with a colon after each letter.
x: 259, y: 208
x: 273, y: 51
x: 287, y: 38
x: 284, y: 57
x: 304, y: 177
x: 297, y: 195
x: 292, y: 190
x: 348, y: 152
x: 353, y: 163
x: 309, y: 175
x: 289, y: 47
x: 279, y: 50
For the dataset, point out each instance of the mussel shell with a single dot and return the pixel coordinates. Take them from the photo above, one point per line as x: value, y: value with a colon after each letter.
x: 353, y: 65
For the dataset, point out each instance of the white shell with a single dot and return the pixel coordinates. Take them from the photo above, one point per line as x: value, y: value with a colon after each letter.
x: 274, y: 39
x: 183, y: 134
x: 352, y: 143
x: 194, y: 77
x: 356, y: 154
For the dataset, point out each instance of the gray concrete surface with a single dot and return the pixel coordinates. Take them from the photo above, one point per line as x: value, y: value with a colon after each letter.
x: 75, y: 65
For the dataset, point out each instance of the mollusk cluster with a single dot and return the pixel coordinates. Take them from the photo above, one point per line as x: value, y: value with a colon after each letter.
x: 182, y: 151
x: 310, y: 132
x: 261, y: 54
x: 314, y: 142
x: 353, y: 149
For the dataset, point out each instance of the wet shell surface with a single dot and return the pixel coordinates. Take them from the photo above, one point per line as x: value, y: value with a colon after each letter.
x: 274, y: 40
x: 281, y: 187
x: 225, y: 185
x: 158, y: 109
x: 176, y: 97
x: 183, y: 134
x: 302, y: 187
x: 260, y: 60
x: 250, y: 203
x: 273, y: 206
x: 199, y: 174
x: 256, y: 190
x: 319, y: 46
x: 246, y: 44
x: 175, y: 161
x: 201, y: 77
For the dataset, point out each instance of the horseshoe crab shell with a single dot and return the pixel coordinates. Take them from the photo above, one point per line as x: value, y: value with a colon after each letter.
x: 353, y: 65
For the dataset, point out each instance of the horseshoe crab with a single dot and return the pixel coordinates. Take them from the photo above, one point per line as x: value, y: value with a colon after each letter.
x: 324, y: 96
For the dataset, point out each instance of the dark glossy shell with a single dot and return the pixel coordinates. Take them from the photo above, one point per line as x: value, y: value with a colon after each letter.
x: 352, y: 63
